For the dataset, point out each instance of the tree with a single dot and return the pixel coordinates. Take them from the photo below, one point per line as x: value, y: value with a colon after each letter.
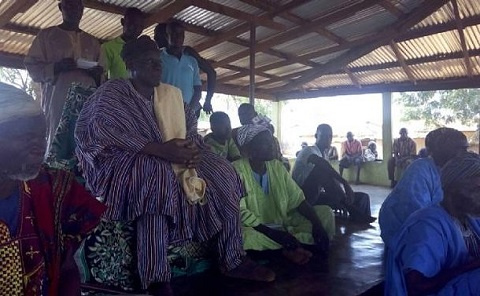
x: 440, y: 108
x: 19, y: 78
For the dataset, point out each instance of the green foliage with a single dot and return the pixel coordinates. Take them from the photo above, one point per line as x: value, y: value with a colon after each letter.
x: 19, y: 78
x: 440, y: 108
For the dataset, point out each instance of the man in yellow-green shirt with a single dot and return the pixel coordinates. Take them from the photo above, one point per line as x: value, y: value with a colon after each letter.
x: 133, y: 25
x: 220, y: 139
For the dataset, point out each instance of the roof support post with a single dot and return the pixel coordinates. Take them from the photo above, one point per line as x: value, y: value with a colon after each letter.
x: 253, y: 38
x: 387, y: 126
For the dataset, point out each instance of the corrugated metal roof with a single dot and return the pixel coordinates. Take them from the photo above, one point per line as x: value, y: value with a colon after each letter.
x: 440, y: 70
x: 261, y: 59
x: 286, y: 70
x: 329, y: 81
x: 15, y: 43
x: 312, y: 9
x: 207, y: 19
x: 441, y: 16
x: 304, y: 44
x: 472, y: 37
x: 381, y: 55
x: 260, y: 33
x: 222, y: 50
x: 363, y: 23
x: 144, y: 5
x: 436, y: 51
x: 437, y: 44
x: 5, y: 4
x: 391, y: 75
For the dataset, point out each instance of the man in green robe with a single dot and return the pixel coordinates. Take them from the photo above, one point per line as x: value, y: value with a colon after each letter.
x: 274, y: 212
x: 220, y: 139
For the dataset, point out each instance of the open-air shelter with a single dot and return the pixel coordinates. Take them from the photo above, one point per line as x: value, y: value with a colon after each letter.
x: 291, y: 49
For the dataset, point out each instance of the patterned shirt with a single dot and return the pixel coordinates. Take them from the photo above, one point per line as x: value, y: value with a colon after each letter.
x: 404, y: 147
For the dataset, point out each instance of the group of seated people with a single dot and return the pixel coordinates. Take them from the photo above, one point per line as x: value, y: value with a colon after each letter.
x: 138, y: 151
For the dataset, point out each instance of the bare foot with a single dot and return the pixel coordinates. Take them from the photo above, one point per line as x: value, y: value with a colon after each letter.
x: 298, y: 256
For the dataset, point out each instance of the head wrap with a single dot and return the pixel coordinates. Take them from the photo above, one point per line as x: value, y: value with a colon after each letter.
x: 464, y: 166
x: 246, y: 133
x: 16, y: 104
x: 137, y: 48
x: 261, y: 120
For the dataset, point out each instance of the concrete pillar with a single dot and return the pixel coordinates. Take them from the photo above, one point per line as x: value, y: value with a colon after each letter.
x: 387, y: 126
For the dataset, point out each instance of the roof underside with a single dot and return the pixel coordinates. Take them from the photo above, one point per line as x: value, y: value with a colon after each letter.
x: 304, y: 48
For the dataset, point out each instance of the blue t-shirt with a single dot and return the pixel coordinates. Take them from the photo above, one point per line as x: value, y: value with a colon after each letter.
x: 9, y: 209
x: 182, y: 73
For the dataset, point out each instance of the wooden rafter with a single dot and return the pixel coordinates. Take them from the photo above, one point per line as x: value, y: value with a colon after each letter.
x: 392, y: 9
x: 240, y: 29
x: 381, y: 39
x: 14, y: 9
x: 164, y: 13
x: 444, y: 84
x: 298, y: 31
x: 265, y: 21
x: 401, y: 61
x: 413, y: 62
x: 352, y: 77
x: 295, y: 19
x: 463, y: 43
x: 94, y: 4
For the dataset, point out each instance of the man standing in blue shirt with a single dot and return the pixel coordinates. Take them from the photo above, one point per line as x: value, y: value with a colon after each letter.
x: 179, y: 69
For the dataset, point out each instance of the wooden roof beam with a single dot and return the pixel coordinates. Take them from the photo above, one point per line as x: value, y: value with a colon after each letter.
x: 295, y: 19
x: 285, y: 36
x: 93, y: 4
x: 392, y: 9
x: 417, y: 33
x: 15, y: 8
x: 352, y: 77
x: 265, y: 21
x: 427, y: 85
x: 240, y: 29
x: 381, y: 39
x: 401, y: 61
x: 408, y: 35
x: 463, y: 43
x: 164, y: 13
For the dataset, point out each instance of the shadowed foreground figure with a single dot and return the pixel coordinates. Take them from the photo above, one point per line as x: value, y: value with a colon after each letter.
x: 44, y: 213
x: 437, y: 251
x: 321, y: 184
x: 128, y: 162
x: 274, y: 212
x: 420, y: 186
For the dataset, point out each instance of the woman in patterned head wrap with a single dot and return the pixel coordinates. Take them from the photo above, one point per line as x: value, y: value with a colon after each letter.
x: 274, y: 212
x: 43, y: 213
x: 437, y: 251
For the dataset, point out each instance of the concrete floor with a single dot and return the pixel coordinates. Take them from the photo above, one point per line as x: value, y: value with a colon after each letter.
x: 355, y: 266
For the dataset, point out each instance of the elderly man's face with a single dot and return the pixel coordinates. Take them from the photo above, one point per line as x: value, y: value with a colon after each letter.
x: 72, y: 10
x: 22, y: 147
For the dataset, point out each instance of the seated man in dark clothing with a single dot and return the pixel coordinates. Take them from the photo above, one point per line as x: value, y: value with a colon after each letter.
x: 321, y: 184
x: 220, y: 139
